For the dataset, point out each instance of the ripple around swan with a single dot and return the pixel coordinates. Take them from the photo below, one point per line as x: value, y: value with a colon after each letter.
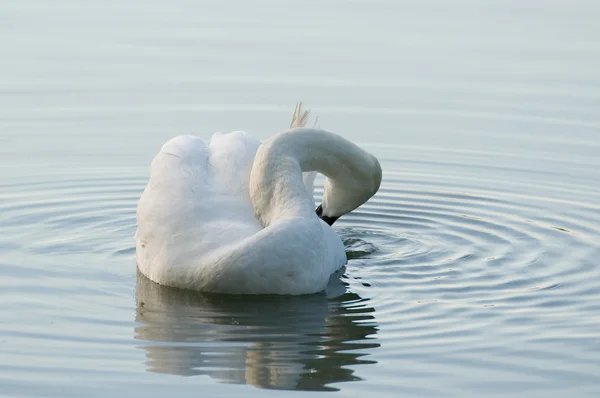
x: 443, y: 276
x: 457, y: 271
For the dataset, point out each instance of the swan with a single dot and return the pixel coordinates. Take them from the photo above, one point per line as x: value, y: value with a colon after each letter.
x: 234, y: 216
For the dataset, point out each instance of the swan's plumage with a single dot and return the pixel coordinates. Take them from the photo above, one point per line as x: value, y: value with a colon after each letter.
x: 195, y: 221
x: 199, y: 228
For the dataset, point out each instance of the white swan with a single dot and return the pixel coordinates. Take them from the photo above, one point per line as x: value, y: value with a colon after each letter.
x: 237, y: 217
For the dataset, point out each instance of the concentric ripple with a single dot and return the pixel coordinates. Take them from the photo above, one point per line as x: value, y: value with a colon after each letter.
x: 482, y: 276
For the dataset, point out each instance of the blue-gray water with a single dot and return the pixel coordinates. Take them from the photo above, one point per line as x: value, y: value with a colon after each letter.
x: 475, y: 271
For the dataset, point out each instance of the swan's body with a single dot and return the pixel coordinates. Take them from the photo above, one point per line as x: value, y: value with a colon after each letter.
x: 237, y: 217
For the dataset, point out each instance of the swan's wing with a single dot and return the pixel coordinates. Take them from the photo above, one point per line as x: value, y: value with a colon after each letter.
x: 192, y: 182
x: 231, y: 158
x: 196, y: 201
x: 177, y: 157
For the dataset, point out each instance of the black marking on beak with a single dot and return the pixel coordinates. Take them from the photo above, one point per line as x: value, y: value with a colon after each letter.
x: 328, y: 220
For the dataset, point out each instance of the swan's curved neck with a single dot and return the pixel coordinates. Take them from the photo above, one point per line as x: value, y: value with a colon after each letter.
x: 276, y: 187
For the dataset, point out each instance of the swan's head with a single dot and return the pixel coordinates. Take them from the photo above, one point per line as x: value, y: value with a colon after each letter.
x: 346, y: 191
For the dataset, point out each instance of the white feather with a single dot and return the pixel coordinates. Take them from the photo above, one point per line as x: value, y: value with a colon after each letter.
x: 237, y: 217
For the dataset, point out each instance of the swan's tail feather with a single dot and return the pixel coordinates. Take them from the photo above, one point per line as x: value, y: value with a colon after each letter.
x: 300, y: 117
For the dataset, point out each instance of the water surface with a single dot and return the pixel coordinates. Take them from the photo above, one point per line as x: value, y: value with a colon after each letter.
x: 473, y: 272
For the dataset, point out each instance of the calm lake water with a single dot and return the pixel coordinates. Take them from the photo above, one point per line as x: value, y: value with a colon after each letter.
x: 475, y: 271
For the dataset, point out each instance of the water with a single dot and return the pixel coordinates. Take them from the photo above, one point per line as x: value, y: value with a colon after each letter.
x: 473, y: 272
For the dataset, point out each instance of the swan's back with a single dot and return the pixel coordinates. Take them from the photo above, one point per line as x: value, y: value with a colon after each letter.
x: 196, y: 201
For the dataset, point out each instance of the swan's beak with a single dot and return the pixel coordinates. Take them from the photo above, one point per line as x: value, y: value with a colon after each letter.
x: 328, y: 220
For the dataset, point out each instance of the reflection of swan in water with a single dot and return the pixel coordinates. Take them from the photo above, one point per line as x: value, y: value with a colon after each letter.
x: 282, y: 342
